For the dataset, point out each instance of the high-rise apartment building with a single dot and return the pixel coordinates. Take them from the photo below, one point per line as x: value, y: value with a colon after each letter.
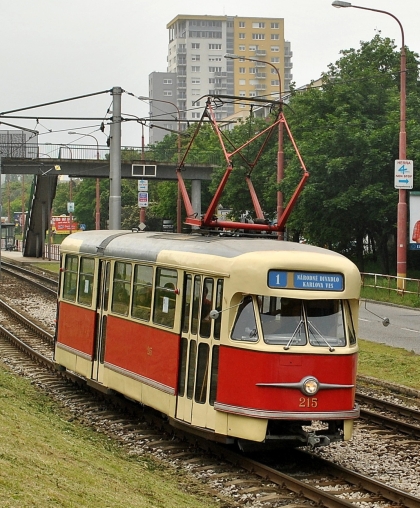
x: 197, y: 65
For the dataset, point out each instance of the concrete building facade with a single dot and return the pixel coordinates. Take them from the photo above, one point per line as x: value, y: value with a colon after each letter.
x: 196, y: 62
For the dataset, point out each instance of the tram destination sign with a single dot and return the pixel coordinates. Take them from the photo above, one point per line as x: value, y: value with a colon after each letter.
x: 312, y: 281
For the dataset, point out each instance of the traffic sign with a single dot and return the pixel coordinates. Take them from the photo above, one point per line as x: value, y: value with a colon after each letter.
x: 143, y: 199
x: 143, y: 185
x: 404, y: 171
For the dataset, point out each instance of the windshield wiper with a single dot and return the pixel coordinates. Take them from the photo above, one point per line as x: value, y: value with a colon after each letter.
x: 310, y: 325
x: 297, y: 330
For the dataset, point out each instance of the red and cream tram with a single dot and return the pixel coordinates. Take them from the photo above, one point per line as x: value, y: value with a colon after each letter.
x: 245, y: 340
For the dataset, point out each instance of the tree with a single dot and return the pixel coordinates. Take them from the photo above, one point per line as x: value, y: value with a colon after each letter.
x: 347, y: 131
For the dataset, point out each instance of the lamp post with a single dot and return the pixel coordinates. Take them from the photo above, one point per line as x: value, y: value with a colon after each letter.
x: 280, y: 152
x: 402, y: 193
x: 178, y: 204
x: 98, y: 196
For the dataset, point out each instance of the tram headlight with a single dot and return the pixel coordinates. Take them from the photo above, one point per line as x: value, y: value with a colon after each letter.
x: 310, y: 386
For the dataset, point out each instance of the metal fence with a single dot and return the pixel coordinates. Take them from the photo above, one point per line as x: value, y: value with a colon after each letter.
x: 391, y: 283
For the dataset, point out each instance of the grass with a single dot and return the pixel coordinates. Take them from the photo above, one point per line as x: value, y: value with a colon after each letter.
x: 48, y: 267
x: 48, y: 460
x: 395, y: 365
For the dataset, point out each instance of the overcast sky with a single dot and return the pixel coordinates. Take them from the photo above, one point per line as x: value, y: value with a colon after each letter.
x: 58, y: 49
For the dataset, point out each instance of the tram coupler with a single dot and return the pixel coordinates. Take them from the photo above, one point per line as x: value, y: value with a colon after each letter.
x: 314, y: 441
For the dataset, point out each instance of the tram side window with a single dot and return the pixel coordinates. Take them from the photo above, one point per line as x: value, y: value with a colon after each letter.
x: 245, y: 327
x: 219, y: 303
x: 202, y: 373
x: 196, y: 304
x: 326, y: 323
x: 121, y: 288
x: 283, y: 320
x: 142, y: 292
x: 165, y: 297
x: 350, y: 324
x: 87, y: 267
x: 186, y: 304
x: 214, y: 372
x: 206, y: 307
x: 70, y: 278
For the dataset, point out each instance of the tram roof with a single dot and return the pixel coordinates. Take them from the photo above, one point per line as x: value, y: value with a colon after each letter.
x: 147, y: 245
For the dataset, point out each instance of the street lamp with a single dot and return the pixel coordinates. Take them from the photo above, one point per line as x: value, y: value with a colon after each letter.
x: 280, y: 152
x: 402, y: 193
x: 178, y: 206
x: 98, y: 197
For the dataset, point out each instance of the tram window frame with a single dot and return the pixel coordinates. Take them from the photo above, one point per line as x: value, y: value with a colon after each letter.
x: 164, y: 303
x: 121, y: 287
x: 86, y: 278
x: 71, y: 268
x: 141, y: 306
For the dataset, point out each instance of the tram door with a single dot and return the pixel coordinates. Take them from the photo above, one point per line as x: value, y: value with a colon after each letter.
x: 101, y: 318
x: 199, y: 350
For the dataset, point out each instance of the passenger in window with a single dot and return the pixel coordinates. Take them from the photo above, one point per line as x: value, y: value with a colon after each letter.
x: 205, y: 323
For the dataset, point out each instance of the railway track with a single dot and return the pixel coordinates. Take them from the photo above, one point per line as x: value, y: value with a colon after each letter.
x: 38, y: 279
x: 249, y: 483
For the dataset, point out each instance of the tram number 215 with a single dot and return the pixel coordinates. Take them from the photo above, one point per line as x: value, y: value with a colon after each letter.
x: 308, y: 402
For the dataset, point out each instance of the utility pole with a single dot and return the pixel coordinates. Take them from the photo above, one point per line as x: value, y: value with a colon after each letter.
x: 115, y: 161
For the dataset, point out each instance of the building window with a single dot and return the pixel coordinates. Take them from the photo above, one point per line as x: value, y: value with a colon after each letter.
x: 242, y: 47
x: 195, y: 45
x: 275, y: 59
x: 242, y: 35
x: 242, y: 82
x: 274, y: 25
x: 253, y: 70
x: 241, y: 70
x: 275, y: 37
x: 215, y: 58
x: 215, y: 69
x: 195, y: 91
x: 195, y: 68
x: 252, y: 94
x: 241, y: 24
x: 275, y: 82
x: 258, y: 25
x: 167, y: 93
x: 215, y: 46
x: 167, y: 81
x: 275, y: 49
x: 195, y: 58
x: 259, y: 37
x: 195, y: 81
x: 252, y: 47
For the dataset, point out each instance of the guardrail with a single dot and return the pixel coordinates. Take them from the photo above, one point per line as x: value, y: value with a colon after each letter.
x: 391, y: 283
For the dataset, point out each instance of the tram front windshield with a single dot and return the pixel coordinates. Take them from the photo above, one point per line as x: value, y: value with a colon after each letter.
x: 294, y: 322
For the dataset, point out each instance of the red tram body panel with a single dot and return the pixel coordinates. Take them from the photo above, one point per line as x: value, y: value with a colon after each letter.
x: 148, y: 352
x: 242, y: 371
x: 76, y: 328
